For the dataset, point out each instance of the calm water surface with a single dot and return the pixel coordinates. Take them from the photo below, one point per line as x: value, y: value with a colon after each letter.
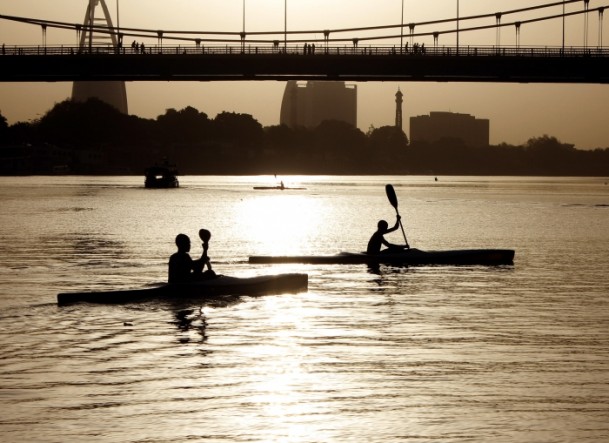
x: 454, y: 354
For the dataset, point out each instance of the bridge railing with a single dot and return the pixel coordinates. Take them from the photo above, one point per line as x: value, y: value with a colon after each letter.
x: 415, y: 50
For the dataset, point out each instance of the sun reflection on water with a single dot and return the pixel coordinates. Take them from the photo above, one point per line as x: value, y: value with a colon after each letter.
x: 282, y: 224
x: 284, y: 387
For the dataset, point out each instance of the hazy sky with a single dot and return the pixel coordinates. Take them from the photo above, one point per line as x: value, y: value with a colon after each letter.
x: 575, y: 114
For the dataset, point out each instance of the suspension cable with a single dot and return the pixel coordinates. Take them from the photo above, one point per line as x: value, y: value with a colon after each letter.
x: 146, y: 33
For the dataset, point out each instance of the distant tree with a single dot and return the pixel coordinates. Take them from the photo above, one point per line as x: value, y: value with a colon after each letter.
x: 388, y: 145
x: 548, y: 156
x: 187, y: 125
x: 241, y: 130
x: 279, y: 136
x: 597, y: 162
x: 390, y: 137
x: 22, y: 132
x: 82, y: 124
x: 281, y: 141
x: 233, y: 143
x: 444, y: 156
x: 3, y: 128
x: 287, y: 150
x: 547, y: 144
x: 339, y: 147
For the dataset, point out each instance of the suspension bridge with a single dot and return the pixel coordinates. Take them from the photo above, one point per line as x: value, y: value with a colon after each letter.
x: 103, y: 53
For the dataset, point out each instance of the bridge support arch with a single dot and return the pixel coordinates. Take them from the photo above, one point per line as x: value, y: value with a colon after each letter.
x: 112, y: 92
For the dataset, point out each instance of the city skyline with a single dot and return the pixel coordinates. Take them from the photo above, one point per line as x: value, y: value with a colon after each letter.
x: 573, y: 113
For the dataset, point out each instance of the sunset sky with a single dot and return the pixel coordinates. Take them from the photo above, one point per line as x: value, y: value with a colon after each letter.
x: 575, y: 114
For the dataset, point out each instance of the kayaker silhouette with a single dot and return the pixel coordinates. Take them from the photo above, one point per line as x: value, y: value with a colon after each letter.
x: 182, y: 268
x: 378, y: 239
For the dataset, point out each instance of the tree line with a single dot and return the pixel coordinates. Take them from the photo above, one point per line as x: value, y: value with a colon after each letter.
x: 94, y: 138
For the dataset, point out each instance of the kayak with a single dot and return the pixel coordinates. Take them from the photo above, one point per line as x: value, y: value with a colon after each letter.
x: 412, y: 256
x: 278, y: 188
x: 221, y: 285
x: 490, y: 257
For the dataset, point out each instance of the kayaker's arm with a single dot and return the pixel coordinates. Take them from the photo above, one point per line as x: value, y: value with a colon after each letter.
x: 203, y: 261
x: 396, y: 226
x: 205, y: 257
x: 205, y: 235
x: 393, y: 246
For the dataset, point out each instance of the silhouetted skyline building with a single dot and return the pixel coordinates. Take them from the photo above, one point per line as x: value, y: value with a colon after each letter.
x: 436, y: 126
x: 309, y: 103
x: 398, y: 108
x: 112, y: 92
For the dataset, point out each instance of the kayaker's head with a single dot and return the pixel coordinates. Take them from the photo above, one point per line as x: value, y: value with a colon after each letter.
x: 183, y: 243
x: 382, y: 225
x: 204, y: 235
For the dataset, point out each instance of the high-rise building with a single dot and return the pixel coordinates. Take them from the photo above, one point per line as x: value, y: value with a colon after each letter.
x: 309, y: 103
x: 111, y: 92
x: 431, y: 128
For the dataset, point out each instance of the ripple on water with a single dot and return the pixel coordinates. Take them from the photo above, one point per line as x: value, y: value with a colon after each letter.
x: 503, y: 354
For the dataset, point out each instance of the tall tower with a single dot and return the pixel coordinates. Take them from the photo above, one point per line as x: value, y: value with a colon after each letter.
x: 111, y: 92
x: 398, y: 108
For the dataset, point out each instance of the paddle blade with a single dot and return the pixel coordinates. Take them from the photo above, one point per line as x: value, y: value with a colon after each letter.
x: 393, y: 199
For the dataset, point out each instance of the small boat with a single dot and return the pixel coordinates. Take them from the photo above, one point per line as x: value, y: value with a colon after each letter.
x: 221, y: 285
x: 488, y: 257
x: 165, y: 176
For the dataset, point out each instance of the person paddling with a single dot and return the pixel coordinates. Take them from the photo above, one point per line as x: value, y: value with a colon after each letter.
x: 378, y: 239
x: 182, y: 268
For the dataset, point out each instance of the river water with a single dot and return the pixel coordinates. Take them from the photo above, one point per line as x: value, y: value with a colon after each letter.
x: 432, y: 353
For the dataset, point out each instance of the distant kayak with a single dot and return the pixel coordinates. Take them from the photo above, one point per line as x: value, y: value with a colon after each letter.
x: 278, y: 188
x: 489, y: 257
x: 221, y: 285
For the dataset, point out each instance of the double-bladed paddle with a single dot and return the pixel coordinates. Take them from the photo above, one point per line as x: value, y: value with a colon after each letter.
x: 393, y: 199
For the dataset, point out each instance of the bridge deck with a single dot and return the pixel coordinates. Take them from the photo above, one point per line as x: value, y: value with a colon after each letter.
x: 245, y: 62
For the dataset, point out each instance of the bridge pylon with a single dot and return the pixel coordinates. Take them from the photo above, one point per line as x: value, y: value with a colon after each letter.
x: 111, y: 92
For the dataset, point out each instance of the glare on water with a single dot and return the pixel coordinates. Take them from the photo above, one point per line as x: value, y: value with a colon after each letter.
x: 470, y: 353
x: 282, y: 224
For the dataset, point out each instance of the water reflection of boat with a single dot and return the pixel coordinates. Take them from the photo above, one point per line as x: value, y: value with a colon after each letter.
x: 164, y: 176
